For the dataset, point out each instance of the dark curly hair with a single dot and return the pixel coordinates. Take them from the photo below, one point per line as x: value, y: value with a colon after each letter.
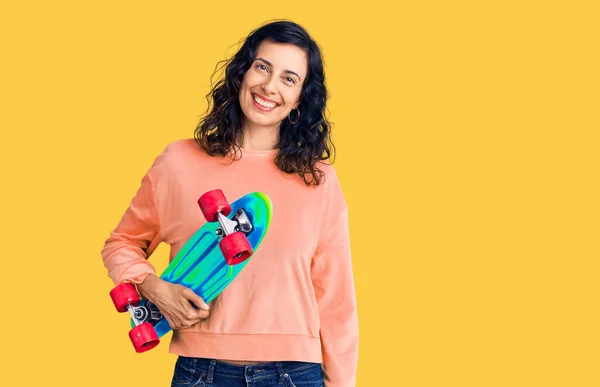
x: 301, y: 145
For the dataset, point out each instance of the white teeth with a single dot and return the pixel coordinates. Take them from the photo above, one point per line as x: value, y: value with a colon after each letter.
x: 264, y: 103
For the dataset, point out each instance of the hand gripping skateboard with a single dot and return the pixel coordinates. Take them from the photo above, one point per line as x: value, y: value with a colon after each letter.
x: 207, y: 263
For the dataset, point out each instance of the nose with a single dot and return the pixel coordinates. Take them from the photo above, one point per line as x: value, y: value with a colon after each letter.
x: 269, y: 86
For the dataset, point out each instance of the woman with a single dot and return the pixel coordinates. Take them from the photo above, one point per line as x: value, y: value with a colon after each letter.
x: 289, y: 318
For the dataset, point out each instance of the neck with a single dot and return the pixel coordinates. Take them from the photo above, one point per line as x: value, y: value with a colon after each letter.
x: 260, y: 137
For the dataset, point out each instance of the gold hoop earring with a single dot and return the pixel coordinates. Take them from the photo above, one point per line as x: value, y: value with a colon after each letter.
x: 297, y: 119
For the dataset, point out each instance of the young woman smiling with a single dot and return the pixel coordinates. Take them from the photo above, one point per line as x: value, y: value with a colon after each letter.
x: 289, y: 318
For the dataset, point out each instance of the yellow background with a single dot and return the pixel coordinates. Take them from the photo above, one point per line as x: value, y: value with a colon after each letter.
x: 467, y: 137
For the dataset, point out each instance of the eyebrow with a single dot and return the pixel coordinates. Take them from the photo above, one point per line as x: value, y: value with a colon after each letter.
x: 285, y: 71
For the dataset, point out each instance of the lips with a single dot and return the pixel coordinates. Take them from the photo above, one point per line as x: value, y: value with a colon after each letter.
x: 264, y: 98
x: 264, y: 103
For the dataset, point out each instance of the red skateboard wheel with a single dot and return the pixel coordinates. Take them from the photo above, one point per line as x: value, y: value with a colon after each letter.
x: 144, y: 337
x: 123, y: 295
x: 213, y: 202
x: 235, y: 248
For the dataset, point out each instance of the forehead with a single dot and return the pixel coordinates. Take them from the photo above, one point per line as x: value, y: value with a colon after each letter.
x: 284, y: 56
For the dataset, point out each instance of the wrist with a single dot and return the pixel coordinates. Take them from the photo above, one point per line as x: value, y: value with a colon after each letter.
x: 147, y: 288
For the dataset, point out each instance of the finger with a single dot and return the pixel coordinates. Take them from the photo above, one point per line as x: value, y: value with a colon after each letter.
x: 196, y: 299
x: 196, y: 315
x: 202, y: 314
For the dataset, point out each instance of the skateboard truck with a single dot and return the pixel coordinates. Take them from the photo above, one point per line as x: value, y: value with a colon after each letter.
x: 234, y: 243
x: 240, y: 222
x: 143, y: 313
x: 126, y: 298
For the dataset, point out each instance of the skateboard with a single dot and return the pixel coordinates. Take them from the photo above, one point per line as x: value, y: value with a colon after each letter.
x: 207, y: 263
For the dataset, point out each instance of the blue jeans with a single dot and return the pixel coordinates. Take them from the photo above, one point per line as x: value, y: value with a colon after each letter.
x: 195, y: 372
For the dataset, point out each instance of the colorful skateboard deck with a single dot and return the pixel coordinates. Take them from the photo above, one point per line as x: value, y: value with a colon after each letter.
x: 200, y: 264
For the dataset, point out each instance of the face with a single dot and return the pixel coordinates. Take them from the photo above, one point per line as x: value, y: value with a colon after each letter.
x: 271, y: 87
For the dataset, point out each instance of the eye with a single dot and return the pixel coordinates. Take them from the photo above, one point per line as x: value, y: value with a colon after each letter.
x: 290, y: 79
x: 261, y: 67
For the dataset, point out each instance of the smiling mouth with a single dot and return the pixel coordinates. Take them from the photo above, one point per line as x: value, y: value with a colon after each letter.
x: 262, y: 103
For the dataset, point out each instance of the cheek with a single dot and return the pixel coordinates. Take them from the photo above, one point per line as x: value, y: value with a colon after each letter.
x: 246, y: 83
x: 291, y: 97
x: 250, y: 80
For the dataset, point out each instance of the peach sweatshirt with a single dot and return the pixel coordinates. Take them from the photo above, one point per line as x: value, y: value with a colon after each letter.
x: 294, y: 300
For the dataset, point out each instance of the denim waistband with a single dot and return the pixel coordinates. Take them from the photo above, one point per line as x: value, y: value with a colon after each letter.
x: 215, y: 367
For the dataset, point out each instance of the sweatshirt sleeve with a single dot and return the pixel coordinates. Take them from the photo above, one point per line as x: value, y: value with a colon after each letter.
x: 125, y: 253
x: 333, y: 281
